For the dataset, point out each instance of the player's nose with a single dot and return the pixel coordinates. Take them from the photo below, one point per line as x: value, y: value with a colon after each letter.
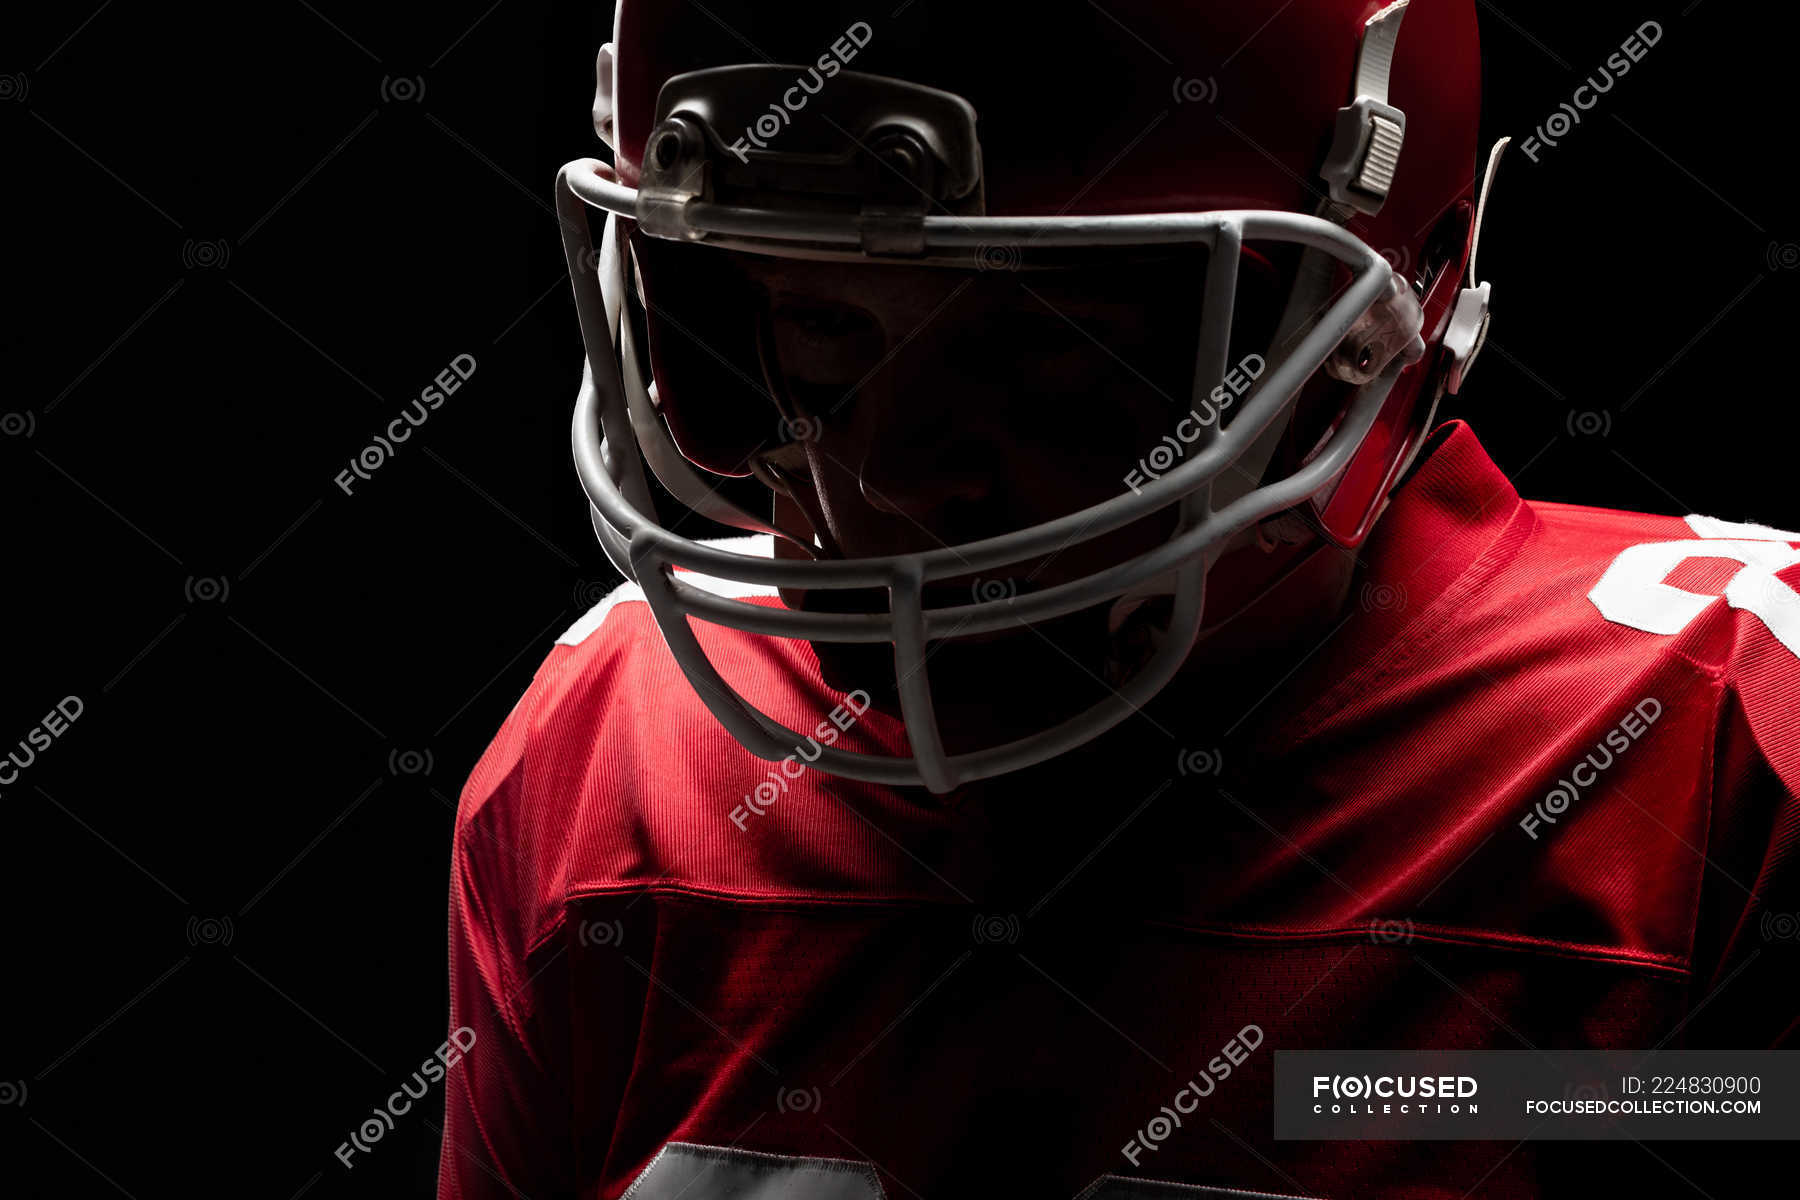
x: 943, y: 452
x: 945, y: 456
x: 921, y: 477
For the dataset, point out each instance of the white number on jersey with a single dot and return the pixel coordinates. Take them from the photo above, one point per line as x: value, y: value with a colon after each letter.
x: 1634, y: 592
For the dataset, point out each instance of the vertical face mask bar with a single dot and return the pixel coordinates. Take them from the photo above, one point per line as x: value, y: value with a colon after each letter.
x: 1218, y: 311
x: 1218, y: 308
x: 612, y: 472
x: 906, y: 598
x: 601, y: 403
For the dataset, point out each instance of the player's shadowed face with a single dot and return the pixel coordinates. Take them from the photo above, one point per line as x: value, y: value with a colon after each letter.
x: 938, y: 407
x: 943, y: 406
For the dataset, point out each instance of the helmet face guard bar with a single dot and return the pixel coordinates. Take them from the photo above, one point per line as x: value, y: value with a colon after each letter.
x: 616, y: 431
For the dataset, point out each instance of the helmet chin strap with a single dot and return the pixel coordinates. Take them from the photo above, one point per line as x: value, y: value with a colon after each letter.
x: 1468, y: 328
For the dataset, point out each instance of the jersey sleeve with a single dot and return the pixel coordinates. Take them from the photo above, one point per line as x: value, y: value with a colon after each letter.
x: 520, y: 1118
x: 506, y: 1107
x: 507, y: 1129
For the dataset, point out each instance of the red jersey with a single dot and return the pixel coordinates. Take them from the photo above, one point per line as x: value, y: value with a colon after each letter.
x: 1539, y: 788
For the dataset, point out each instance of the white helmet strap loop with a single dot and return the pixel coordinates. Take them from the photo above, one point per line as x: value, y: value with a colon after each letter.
x: 1469, y: 322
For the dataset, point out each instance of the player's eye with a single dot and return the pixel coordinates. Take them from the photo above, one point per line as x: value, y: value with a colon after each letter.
x: 826, y: 344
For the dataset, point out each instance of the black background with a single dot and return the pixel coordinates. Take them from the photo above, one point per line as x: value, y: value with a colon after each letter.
x: 240, y: 238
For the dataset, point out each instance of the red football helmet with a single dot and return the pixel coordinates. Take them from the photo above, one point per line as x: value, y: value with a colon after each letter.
x: 1328, y: 144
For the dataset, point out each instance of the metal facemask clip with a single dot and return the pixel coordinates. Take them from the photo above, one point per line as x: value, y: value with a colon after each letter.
x: 1469, y: 321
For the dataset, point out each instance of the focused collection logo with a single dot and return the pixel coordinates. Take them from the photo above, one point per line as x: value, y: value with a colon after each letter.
x: 760, y: 132
x: 1557, y: 801
x: 1394, y: 1095
x: 775, y: 785
x: 399, y: 1102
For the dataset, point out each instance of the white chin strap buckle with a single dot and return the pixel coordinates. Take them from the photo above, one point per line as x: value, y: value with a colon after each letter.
x: 1466, y: 335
